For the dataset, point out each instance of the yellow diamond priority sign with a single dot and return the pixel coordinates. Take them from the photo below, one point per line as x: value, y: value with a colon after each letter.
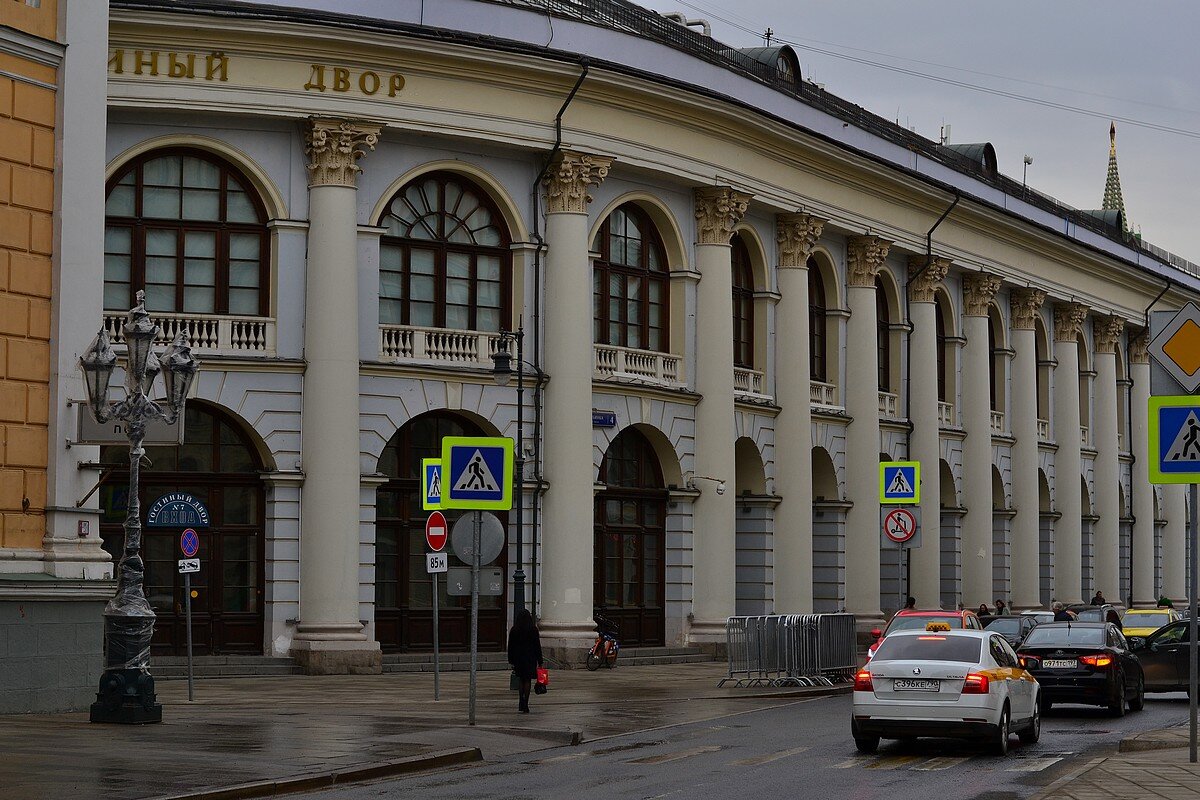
x: 1176, y: 347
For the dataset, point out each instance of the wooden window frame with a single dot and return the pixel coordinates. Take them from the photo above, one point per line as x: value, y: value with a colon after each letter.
x: 604, y: 268
x: 743, y: 303
x: 818, y: 325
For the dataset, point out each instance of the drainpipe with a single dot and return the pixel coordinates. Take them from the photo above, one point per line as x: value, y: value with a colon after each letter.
x: 536, y: 197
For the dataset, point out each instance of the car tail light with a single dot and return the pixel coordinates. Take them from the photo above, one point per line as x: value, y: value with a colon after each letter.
x: 862, y: 681
x: 1029, y: 662
x: 1098, y: 660
x: 977, y: 683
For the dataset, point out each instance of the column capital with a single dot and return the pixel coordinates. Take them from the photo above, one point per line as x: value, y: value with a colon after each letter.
x: 1139, y: 344
x: 923, y: 286
x: 796, y: 234
x: 1068, y: 321
x: 718, y: 210
x: 568, y: 179
x: 333, y: 147
x: 1106, y: 332
x: 1025, y: 304
x: 978, y: 290
x: 864, y: 257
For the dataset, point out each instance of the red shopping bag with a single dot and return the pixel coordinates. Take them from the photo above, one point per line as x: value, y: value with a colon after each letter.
x: 543, y: 681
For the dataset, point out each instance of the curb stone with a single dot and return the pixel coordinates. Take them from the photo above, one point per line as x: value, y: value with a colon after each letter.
x: 1067, y: 779
x: 323, y: 780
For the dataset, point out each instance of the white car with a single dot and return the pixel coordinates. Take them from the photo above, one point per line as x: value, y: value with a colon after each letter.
x: 945, y: 683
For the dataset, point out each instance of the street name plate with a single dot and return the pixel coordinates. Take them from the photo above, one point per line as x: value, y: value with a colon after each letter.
x: 88, y: 431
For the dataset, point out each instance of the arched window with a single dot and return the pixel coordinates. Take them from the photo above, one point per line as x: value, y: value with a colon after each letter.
x: 743, y: 305
x: 883, y: 336
x: 186, y: 226
x: 630, y: 288
x: 817, y: 360
x: 444, y: 261
x: 942, y: 361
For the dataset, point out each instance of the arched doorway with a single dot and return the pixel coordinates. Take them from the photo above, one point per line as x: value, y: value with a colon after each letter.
x: 403, y: 590
x: 630, y: 528
x: 220, y: 466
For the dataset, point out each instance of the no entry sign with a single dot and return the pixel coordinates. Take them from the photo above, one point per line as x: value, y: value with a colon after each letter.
x: 436, y: 531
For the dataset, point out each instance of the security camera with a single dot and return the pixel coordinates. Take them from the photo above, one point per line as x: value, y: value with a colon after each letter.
x: 720, y: 487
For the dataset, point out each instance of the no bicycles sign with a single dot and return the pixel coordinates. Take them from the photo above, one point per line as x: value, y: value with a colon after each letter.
x: 900, y: 526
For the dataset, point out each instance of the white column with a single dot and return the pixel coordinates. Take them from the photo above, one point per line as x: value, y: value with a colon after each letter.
x: 1143, y: 492
x: 864, y: 257
x: 1068, y: 534
x: 1106, y: 543
x: 77, y: 307
x: 796, y: 234
x: 714, y: 544
x: 329, y: 636
x: 925, y: 443
x: 1025, y: 306
x: 1174, y: 543
x: 978, y: 291
x: 568, y: 541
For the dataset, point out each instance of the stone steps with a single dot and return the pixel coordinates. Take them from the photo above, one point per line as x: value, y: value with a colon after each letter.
x: 168, y: 668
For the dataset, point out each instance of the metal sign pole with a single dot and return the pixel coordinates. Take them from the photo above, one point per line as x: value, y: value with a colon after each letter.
x: 437, y: 676
x: 1194, y: 526
x: 187, y: 606
x: 474, y: 615
x: 899, y: 575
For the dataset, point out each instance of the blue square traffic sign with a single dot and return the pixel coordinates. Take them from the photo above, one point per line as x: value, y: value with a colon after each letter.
x: 431, y: 484
x: 477, y: 473
x: 1174, y: 427
x: 900, y: 482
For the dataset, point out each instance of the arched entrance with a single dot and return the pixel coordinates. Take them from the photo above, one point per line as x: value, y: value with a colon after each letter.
x: 630, y: 525
x: 403, y: 590
x: 219, y: 465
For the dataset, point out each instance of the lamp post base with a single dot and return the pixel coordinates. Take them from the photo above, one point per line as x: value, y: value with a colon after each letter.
x: 126, y: 697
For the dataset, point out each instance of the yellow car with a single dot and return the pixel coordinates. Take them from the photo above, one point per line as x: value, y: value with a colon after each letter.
x: 1145, y: 621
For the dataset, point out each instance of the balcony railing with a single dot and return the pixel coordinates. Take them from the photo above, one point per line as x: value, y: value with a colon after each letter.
x: 749, y: 382
x: 947, y: 416
x: 642, y: 365
x: 822, y: 394
x: 1043, y: 426
x: 210, y: 332
x: 998, y: 423
x: 889, y: 405
x: 440, y: 345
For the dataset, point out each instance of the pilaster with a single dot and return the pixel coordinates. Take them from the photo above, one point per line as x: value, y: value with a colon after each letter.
x: 1024, y: 308
x: 1106, y: 332
x: 1068, y: 532
x: 1142, y: 501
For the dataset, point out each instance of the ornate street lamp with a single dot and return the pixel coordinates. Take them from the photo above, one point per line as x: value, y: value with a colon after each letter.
x: 126, y: 692
x: 502, y: 372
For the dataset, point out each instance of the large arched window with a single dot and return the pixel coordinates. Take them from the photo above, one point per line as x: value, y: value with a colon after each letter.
x: 186, y: 226
x: 994, y: 365
x: 743, y: 305
x: 630, y: 283
x: 444, y: 261
x: 817, y: 356
x: 883, y: 336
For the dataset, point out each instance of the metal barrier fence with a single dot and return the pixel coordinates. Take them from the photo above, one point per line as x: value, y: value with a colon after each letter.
x: 790, y: 650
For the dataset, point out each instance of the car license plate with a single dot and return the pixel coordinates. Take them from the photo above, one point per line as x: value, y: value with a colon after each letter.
x: 916, y: 685
x: 1060, y: 663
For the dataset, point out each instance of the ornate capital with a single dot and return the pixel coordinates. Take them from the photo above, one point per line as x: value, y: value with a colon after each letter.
x: 333, y: 147
x: 922, y: 287
x: 978, y: 290
x: 864, y: 257
x: 1106, y: 332
x: 718, y: 210
x: 1068, y: 321
x: 796, y: 235
x: 568, y: 180
x: 1025, y: 305
x: 1139, y: 344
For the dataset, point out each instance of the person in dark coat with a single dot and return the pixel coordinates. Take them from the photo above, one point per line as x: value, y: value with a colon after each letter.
x: 525, y: 654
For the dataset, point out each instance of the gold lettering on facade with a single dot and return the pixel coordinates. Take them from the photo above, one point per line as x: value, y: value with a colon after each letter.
x: 214, y: 62
x: 368, y: 79
x: 175, y: 64
x: 341, y: 79
x: 143, y: 59
x: 182, y: 69
x: 395, y: 84
x: 316, y: 79
x: 116, y: 62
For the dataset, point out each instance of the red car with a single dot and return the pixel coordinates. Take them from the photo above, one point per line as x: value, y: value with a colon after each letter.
x: 911, y: 619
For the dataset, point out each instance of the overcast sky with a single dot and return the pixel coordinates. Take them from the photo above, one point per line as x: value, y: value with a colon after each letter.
x: 1119, y: 58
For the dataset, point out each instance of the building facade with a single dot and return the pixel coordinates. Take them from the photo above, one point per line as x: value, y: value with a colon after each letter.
x: 344, y: 205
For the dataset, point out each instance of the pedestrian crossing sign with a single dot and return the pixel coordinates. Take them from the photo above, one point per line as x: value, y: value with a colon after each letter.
x: 900, y: 482
x: 431, y: 484
x: 477, y: 473
x: 1174, y: 424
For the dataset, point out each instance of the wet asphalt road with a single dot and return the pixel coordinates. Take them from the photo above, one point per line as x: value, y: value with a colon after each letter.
x: 796, y: 750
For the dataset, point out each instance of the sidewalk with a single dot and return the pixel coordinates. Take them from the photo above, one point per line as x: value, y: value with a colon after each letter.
x: 1151, y: 766
x: 260, y: 730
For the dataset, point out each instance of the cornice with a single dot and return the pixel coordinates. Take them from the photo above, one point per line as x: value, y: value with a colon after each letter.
x: 46, y: 52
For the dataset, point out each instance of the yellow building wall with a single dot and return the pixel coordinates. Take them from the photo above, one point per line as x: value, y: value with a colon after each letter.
x: 27, y: 203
